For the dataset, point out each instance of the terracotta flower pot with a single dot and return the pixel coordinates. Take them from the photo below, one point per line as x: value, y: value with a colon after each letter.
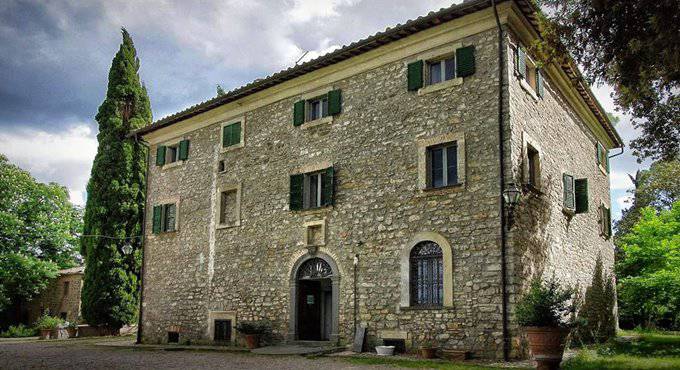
x: 456, y: 355
x: 428, y: 352
x: 45, y: 333
x: 547, y: 345
x: 252, y: 341
x: 72, y: 332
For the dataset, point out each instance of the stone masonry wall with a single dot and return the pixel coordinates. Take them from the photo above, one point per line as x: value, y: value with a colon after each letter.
x: 54, y: 299
x: 547, y: 241
x: 378, y: 209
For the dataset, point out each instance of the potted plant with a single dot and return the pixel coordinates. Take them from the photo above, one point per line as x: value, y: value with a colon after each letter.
x: 46, y: 324
x: 543, y: 312
x: 72, y: 328
x: 253, y: 330
x: 428, y: 349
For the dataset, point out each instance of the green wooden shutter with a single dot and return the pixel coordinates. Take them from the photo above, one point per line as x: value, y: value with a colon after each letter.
x: 235, y: 133
x: 160, y: 155
x: 297, y: 190
x: 157, y: 215
x: 328, y: 189
x: 608, y: 225
x: 581, y: 190
x: 226, y: 136
x: 539, y: 82
x: 184, y: 150
x: 415, y: 75
x: 568, y: 186
x: 607, y: 161
x: 299, y: 113
x: 334, y: 102
x: 599, y: 153
x: 465, y: 61
x: 521, y: 62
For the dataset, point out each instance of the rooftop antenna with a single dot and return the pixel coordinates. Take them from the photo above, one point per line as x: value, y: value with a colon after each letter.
x: 303, y: 55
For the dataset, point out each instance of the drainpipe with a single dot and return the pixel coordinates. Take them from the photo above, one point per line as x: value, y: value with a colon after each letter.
x: 501, y: 137
x: 141, y: 271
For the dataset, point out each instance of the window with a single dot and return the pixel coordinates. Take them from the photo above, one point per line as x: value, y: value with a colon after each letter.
x: 426, y: 275
x: 317, y: 108
x: 164, y: 218
x: 312, y: 190
x: 605, y: 220
x: 602, y: 157
x: 173, y: 337
x: 442, y: 70
x: 443, y: 165
x: 171, y: 153
x: 222, y: 331
x: 231, y: 134
x: 66, y: 288
x: 526, y: 70
x: 229, y: 207
x: 575, y: 194
x: 533, y: 167
x: 221, y: 166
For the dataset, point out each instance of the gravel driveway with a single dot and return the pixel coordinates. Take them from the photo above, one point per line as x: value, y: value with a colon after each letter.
x: 82, y: 354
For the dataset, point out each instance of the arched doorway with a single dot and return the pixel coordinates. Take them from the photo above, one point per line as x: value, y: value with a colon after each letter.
x: 314, y: 299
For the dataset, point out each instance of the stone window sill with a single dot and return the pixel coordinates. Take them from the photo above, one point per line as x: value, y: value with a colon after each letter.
x: 602, y: 169
x: 528, y: 89
x: 443, y: 189
x: 311, y: 211
x: 172, y: 165
x: 533, y: 188
x: 569, y: 212
x: 425, y: 308
x: 225, y: 226
x: 232, y: 147
x: 440, y: 86
x: 317, y: 122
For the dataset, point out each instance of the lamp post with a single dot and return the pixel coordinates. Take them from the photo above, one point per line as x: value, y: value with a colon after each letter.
x: 511, y: 196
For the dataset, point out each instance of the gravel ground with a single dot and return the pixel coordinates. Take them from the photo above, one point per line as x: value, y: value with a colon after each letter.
x: 83, y: 354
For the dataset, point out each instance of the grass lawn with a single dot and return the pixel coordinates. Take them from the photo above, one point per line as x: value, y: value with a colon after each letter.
x: 649, y: 351
x: 630, y: 351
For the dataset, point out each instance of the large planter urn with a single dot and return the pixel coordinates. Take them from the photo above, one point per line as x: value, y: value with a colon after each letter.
x: 547, y: 345
x: 428, y: 352
x: 252, y: 341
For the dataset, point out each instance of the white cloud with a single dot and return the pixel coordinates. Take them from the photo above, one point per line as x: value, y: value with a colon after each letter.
x: 65, y: 158
x: 620, y: 180
x: 305, y: 10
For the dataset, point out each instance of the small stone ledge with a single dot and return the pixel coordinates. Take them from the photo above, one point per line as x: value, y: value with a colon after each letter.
x: 317, y: 122
x: 440, y: 86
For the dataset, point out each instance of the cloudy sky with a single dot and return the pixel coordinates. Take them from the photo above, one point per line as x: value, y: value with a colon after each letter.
x: 55, y: 56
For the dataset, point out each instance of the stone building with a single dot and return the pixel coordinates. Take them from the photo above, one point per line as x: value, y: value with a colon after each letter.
x: 365, y: 187
x: 61, y: 297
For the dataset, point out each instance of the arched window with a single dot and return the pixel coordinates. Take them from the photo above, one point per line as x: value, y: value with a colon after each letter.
x: 427, y: 274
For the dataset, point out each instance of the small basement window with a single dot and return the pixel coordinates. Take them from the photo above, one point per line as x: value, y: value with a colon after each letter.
x: 222, y: 331
x: 173, y: 337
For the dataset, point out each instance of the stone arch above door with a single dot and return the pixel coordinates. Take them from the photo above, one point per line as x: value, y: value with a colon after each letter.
x: 405, y: 271
x: 293, y: 282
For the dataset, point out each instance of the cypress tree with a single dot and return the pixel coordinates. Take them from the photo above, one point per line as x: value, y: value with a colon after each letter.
x: 115, y: 198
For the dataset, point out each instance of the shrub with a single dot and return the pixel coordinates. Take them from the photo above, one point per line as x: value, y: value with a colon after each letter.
x: 545, y: 304
x: 254, y: 327
x: 19, y: 331
x: 47, y: 322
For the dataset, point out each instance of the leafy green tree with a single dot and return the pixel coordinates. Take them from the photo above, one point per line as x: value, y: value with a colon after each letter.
x: 23, y: 277
x: 115, y: 197
x: 38, y: 227
x: 220, y: 90
x: 633, y: 46
x: 657, y: 187
x: 649, y: 270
